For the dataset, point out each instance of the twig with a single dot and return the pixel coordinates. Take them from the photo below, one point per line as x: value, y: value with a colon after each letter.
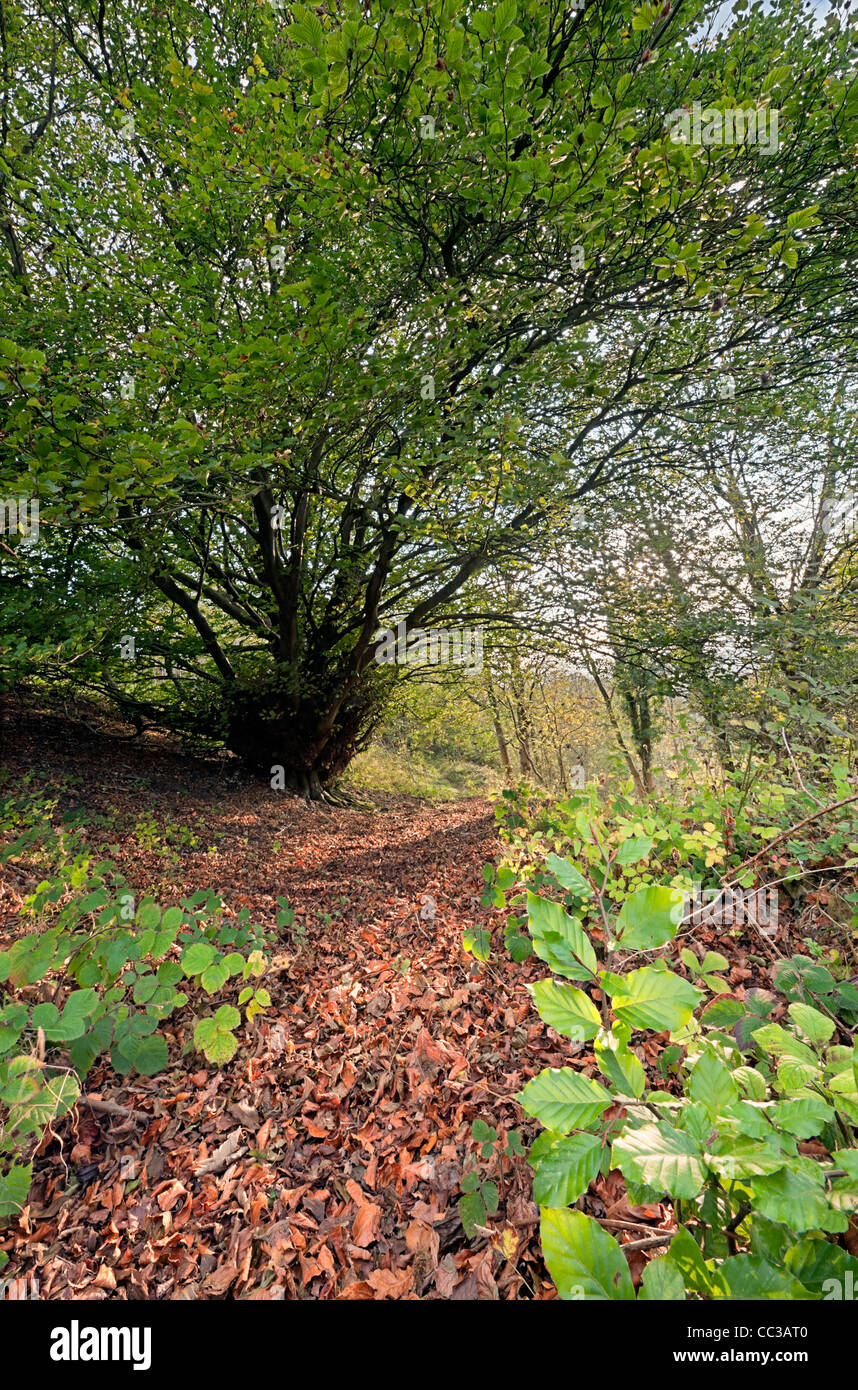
x: 112, y: 1107
x: 616, y: 1225
x: 649, y: 1242
x: 835, y: 806
x: 796, y: 771
x: 732, y: 1226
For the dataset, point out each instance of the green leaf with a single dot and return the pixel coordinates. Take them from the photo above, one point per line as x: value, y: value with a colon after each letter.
x: 472, y: 1212
x: 723, y: 1013
x: 568, y: 1010
x: 562, y: 1099
x: 477, y: 941
x: 650, y: 917
x: 662, y: 1281
x: 14, y: 1189
x: 750, y: 1082
x: 793, y: 1197
x: 815, y: 1262
x: 713, y: 960
x: 504, y: 15
x: 752, y: 1277
x: 795, y: 1076
x: 559, y: 939
x: 144, y: 989
x: 81, y: 1003
x: 804, y: 1117
x: 565, y: 1169
x: 712, y: 1084
x: 777, y: 77
x: 197, y: 957
x: 632, y: 851
x: 44, y: 1015
x: 744, y: 1158
x: 217, y: 1044
x: 215, y: 976
x: 518, y: 945
x: 149, y: 1055
x: 652, y: 998
x: 777, y: 1042
x: 568, y: 876
x: 307, y: 29
x: 148, y: 914
x: 685, y: 1253
x: 661, y: 1157
x: 750, y: 1119
x: 482, y: 21
x: 804, y: 217
x: 848, y: 1159
x: 582, y: 1259
x: 816, y: 1026
x: 619, y: 1065
x: 513, y: 1142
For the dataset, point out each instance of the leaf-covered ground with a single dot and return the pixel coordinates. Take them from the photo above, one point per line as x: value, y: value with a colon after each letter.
x: 342, y: 1127
x: 325, y: 1160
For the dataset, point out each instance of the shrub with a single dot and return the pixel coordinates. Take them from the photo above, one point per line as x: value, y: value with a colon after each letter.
x: 759, y: 1209
x: 117, y: 970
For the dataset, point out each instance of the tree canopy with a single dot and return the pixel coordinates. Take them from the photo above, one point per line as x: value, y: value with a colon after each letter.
x: 312, y: 314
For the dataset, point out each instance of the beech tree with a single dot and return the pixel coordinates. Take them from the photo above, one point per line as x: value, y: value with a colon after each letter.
x: 313, y: 313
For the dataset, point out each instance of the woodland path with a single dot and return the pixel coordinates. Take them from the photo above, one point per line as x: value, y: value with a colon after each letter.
x: 352, y: 1097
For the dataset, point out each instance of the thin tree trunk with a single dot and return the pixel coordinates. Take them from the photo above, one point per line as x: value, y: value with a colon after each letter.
x: 640, y: 786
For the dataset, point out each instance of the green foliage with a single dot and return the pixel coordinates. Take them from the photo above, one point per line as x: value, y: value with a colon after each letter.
x: 804, y: 979
x: 32, y: 1097
x: 363, y: 200
x: 480, y: 1196
x: 758, y: 1214
x: 579, y: 851
x: 118, y: 969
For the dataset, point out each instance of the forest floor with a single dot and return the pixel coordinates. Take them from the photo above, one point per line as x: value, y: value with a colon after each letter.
x: 349, y: 1105
x: 325, y: 1161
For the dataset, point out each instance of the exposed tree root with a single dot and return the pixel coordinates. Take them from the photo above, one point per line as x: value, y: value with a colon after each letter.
x: 309, y: 787
x: 347, y: 800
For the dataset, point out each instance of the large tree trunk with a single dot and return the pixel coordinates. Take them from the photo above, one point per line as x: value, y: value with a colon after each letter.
x: 297, y: 748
